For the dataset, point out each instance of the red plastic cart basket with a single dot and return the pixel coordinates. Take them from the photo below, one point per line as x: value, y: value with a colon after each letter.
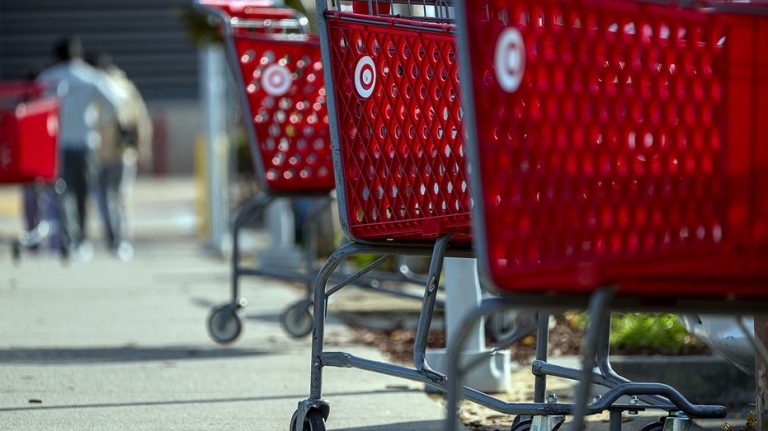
x: 620, y: 142
x: 400, y: 165
x: 280, y: 76
x: 29, y: 125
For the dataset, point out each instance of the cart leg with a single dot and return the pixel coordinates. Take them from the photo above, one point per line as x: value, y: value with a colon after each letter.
x: 598, y: 311
x: 454, y: 370
x: 428, y: 308
x: 614, y: 418
x: 604, y: 363
x: 245, y: 214
x: 310, y: 231
x: 542, y: 343
x: 315, y: 401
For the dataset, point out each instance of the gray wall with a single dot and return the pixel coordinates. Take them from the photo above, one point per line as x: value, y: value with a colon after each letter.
x: 146, y: 39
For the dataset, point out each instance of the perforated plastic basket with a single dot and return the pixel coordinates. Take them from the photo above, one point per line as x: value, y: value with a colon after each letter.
x: 279, y: 73
x: 400, y: 156
x: 29, y: 126
x: 619, y: 142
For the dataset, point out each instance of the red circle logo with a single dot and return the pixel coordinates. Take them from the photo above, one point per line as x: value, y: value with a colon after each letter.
x: 365, y: 77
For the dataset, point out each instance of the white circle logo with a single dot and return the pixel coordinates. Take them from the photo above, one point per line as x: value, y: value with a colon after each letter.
x: 276, y: 80
x: 510, y: 59
x: 365, y: 77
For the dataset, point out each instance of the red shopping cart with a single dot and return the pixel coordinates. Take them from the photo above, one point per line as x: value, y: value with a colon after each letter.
x: 279, y: 75
x: 395, y: 116
x: 28, y: 147
x: 28, y: 133
x: 617, y: 143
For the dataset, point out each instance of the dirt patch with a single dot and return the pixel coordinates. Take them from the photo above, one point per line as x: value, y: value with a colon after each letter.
x: 397, y: 344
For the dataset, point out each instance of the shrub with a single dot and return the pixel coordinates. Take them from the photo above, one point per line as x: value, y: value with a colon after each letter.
x: 645, y: 333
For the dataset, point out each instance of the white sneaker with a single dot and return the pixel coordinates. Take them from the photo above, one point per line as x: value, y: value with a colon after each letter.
x: 84, y: 252
x: 124, y: 251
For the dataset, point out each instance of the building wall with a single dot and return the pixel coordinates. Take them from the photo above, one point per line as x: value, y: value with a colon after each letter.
x: 177, y: 126
x: 146, y: 39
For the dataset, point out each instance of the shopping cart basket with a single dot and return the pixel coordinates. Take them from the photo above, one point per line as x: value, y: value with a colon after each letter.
x: 617, y: 143
x: 401, y: 181
x: 28, y: 148
x: 279, y: 76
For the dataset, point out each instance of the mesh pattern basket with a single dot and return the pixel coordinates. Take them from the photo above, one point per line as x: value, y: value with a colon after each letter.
x: 29, y: 126
x: 283, y: 80
x: 280, y: 71
x: 401, y: 155
x: 621, y: 142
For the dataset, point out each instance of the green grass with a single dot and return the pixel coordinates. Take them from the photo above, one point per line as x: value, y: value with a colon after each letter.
x: 642, y: 332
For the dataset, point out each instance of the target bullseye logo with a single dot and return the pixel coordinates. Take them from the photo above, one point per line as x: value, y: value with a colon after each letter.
x: 276, y: 80
x: 365, y: 77
x: 510, y: 59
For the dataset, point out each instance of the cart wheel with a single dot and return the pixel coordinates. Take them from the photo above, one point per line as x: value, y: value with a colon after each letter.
x: 224, y: 324
x: 654, y: 426
x: 521, y: 423
x: 313, y: 421
x: 16, y: 252
x: 297, y: 320
x: 525, y: 422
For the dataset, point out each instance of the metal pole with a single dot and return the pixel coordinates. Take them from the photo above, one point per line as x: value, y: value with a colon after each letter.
x: 213, y: 92
x: 493, y: 372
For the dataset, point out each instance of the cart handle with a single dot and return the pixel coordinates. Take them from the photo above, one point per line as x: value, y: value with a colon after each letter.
x: 255, y: 14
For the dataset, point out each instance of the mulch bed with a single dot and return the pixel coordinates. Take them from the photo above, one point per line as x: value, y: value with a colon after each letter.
x: 397, y: 344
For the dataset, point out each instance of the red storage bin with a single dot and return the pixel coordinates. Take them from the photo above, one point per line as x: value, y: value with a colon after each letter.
x: 29, y: 126
x: 621, y: 142
x: 400, y: 150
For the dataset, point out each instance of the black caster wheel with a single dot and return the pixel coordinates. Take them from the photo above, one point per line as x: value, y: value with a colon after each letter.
x: 224, y: 325
x: 654, y: 426
x: 313, y: 421
x: 525, y: 422
x: 521, y: 423
x: 296, y: 320
x: 16, y: 252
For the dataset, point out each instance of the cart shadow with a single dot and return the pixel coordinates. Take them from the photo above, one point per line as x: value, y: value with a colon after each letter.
x: 402, y: 426
x: 200, y: 401
x: 64, y: 356
x: 264, y: 317
x: 438, y: 425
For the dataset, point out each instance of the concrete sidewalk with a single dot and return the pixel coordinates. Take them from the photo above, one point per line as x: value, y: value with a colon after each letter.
x: 110, y: 345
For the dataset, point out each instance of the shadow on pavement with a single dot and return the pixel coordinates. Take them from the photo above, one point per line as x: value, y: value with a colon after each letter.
x: 264, y: 317
x: 201, y: 401
x: 403, y: 426
x: 121, y: 354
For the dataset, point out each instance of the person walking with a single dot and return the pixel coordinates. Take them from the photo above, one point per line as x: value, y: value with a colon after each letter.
x: 79, y: 87
x: 124, y: 140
